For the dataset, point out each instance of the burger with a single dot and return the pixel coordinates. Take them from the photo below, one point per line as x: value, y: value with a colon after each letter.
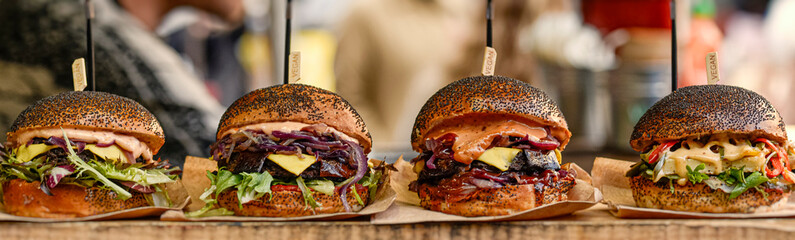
x: 711, y: 148
x: 77, y: 154
x: 290, y: 150
x: 490, y: 146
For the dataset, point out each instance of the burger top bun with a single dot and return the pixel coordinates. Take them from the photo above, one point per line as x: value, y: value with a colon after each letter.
x: 296, y: 103
x: 705, y: 110
x: 489, y: 95
x: 90, y: 110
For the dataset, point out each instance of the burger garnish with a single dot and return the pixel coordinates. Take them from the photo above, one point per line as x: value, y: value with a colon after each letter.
x: 66, y: 139
x: 727, y: 164
x: 490, y: 146
x: 711, y: 148
x: 279, y: 167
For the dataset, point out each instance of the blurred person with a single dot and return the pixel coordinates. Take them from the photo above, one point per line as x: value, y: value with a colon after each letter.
x: 39, y: 39
x: 394, y: 54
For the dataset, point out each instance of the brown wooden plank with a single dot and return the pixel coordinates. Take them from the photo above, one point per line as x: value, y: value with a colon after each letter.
x: 591, y: 224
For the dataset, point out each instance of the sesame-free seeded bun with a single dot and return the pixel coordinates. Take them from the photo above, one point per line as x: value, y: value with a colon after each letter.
x: 489, y: 95
x: 704, y: 110
x: 90, y: 110
x: 26, y: 199
x: 296, y: 103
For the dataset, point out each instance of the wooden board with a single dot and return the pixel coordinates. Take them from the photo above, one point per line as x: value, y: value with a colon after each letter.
x: 595, y: 223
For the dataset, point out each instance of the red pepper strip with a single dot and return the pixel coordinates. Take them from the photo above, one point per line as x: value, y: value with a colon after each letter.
x: 653, y: 156
x: 776, y: 161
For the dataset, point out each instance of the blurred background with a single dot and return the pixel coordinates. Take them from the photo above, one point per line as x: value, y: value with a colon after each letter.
x: 604, y: 61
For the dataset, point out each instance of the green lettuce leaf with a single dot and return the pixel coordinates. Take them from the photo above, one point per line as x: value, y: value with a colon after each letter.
x: 145, y: 177
x: 322, y: 185
x: 224, y: 180
x: 309, y: 201
x: 83, y: 167
x: 253, y: 186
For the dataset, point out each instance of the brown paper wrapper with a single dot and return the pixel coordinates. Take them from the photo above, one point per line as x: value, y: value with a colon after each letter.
x: 608, y: 177
x: 175, y: 191
x: 407, y: 210
x: 195, y: 177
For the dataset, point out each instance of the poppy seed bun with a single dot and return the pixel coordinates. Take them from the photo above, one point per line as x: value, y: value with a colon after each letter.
x: 286, y: 203
x: 701, y: 198
x: 489, y: 95
x: 297, y: 103
x: 707, y: 110
x: 25, y: 199
x: 90, y: 110
x: 505, y: 200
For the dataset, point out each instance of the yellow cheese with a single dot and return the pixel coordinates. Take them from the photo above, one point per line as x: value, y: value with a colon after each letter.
x: 293, y: 163
x: 111, y: 153
x: 28, y: 152
x: 499, y: 157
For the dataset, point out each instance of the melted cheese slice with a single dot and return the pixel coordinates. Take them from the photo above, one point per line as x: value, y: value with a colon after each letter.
x: 28, y: 152
x: 112, y: 153
x: 499, y: 157
x: 293, y: 163
x: 741, y: 155
x: 125, y: 142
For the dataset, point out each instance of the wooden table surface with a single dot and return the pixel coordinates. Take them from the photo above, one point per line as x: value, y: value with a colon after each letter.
x: 594, y: 223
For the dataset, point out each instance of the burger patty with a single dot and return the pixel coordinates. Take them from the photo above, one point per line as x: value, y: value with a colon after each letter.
x: 527, y: 162
x: 336, y: 169
x: 58, y: 156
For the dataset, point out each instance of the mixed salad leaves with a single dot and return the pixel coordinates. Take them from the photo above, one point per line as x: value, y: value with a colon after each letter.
x: 734, y: 181
x: 119, y: 177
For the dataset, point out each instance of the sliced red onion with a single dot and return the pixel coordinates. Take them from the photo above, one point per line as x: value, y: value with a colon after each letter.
x: 430, y: 164
x: 57, y: 173
x: 483, y: 183
x: 482, y: 174
x: 361, y: 168
x: 545, y: 145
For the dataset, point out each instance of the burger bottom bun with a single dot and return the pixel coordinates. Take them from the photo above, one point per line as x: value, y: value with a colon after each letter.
x: 505, y: 200
x: 26, y: 199
x: 702, y: 198
x: 288, y: 203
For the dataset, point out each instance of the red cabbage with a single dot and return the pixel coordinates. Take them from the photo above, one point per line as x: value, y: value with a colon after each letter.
x: 57, y: 173
x: 138, y: 187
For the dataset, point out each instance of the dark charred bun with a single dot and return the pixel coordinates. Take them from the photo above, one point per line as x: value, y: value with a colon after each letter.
x: 706, y: 110
x: 90, y: 110
x: 702, y: 198
x: 489, y: 95
x: 297, y: 103
x: 26, y: 199
x: 290, y: 203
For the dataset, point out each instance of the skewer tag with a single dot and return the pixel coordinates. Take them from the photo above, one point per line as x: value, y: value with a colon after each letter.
x: 295, y: 67
x: 79, y: 74
x: 489, y: 62
x: 712, y: 68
